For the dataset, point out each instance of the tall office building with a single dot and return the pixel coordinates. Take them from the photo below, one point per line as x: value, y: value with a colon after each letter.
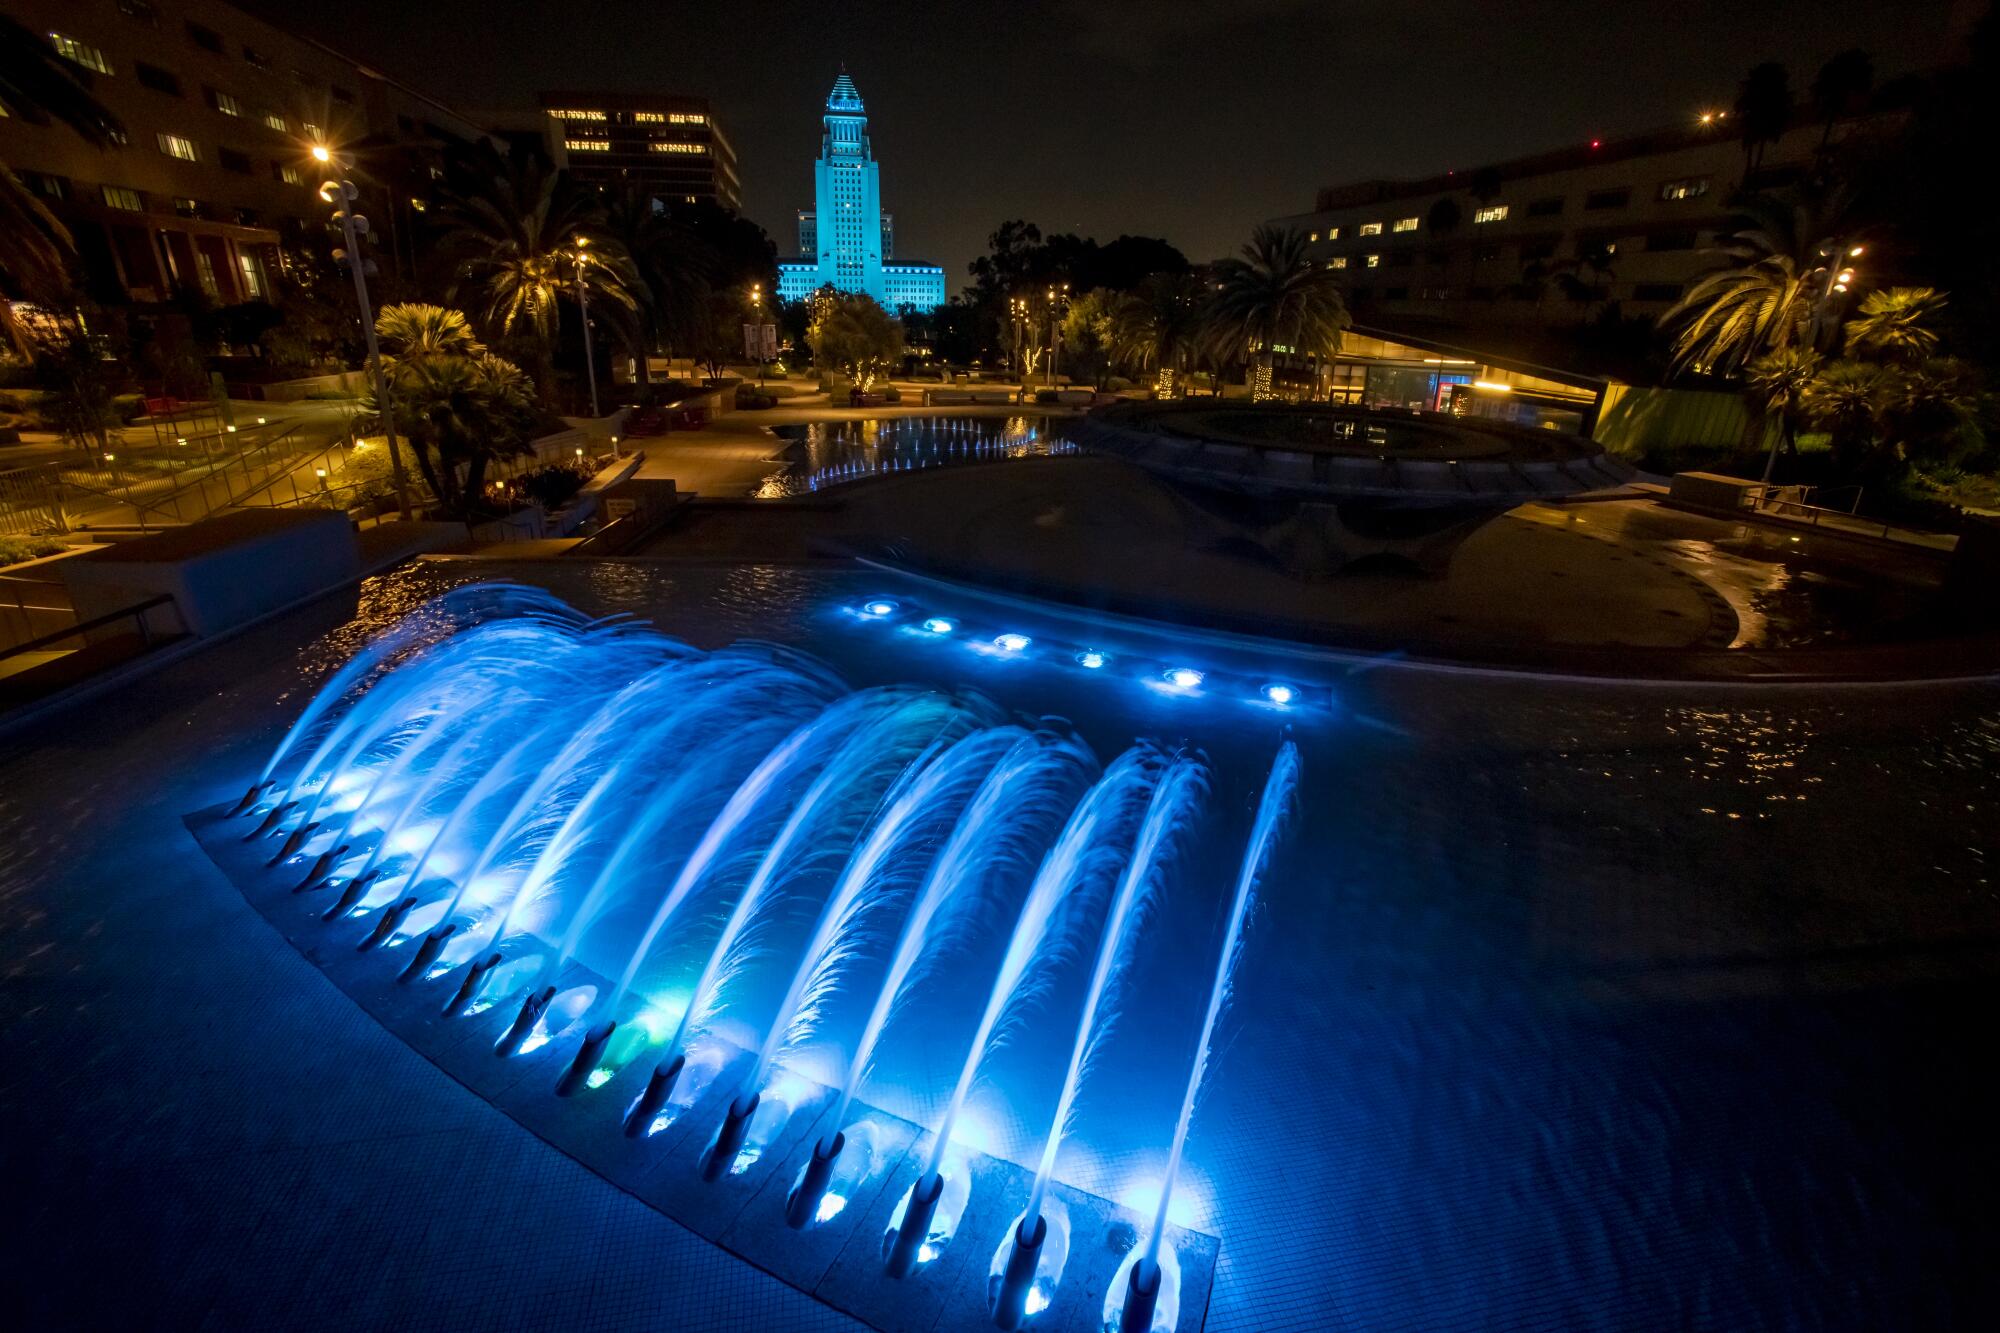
x: 669, y: 145
x: 847, y: 240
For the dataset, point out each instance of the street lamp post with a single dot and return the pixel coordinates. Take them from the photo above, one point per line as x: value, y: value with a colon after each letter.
x: 1058, y: 303
x: 1836, y: 263
x: 757, y: 318
x: 353, y: 227
x: 583, y: 304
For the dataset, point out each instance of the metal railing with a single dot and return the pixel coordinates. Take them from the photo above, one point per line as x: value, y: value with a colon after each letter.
x: 137, y: 613
x: 1791, y: 502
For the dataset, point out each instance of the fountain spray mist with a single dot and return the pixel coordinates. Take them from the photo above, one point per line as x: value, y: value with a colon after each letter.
x: 1176, y: 799
x: 1140, y: 1285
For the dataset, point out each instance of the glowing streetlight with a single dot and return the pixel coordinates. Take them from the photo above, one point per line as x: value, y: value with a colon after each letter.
x: 342, y: 194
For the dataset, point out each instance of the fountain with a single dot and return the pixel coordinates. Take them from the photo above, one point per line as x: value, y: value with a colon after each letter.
x: 1145, y: 1294
x: 541, y: 820
x: 1026, y: 1269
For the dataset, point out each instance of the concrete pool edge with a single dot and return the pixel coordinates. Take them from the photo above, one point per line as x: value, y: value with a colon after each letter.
x: 1972, y: 659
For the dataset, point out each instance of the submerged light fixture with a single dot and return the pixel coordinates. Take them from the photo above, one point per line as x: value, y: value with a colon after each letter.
x: 1012, y: 643
x: 878, y: 608
x: 1184, y: 678
x: 1090, y: 659
x: 1279, y: 694
x: 939, y: 625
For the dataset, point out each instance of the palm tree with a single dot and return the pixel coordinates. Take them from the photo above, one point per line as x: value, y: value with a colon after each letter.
x: 519, y: 231
x: 1765, y: 296
x: 1763, y: 111
x: 1893, y: 325
x: 1842, y: 399
x: 1275, y: 295
x: 1158, y: 326
x: 1777, y: 384
x: 1841, y: 82
x: 457, y: 404
x: 39, y: 88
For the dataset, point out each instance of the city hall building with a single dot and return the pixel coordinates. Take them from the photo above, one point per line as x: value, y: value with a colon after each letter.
x: 847, y: 241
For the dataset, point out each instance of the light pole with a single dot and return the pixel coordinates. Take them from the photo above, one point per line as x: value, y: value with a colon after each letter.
x: 757, y: 318
x: 583, y: 304
x: 1058, y: 303
x: 341, y: 194
x: 1836, y: 263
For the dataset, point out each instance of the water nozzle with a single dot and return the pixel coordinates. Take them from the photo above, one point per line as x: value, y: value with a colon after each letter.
x: 468, y: 989
x: 392, y: 917
x: 586, y: 1058
x: 653, y: 1100
x: 532, y: 1007
x: 802, y: 1207
x: 916, y: 1228
x: 427, y: 953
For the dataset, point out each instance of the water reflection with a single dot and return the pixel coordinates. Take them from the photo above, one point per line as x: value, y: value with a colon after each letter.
x: 828, y: 453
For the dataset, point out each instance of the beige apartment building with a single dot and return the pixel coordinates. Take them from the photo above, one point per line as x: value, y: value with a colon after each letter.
x: 221, y: 111
x: 1554, y: 238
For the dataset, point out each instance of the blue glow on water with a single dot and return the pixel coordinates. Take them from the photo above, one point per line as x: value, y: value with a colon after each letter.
x: 593, y: 799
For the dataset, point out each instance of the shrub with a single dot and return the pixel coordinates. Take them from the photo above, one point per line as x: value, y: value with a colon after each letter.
x: 13, y: 550
x: 1046, y: 396
x: 755, y: 399
x: 891, y: 394
x: 551, y: 486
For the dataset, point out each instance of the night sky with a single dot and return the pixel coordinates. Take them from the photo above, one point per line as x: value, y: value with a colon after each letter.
x: 1189, y: 119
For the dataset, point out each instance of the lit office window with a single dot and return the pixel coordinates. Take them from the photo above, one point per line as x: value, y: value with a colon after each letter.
x: 253, y: 280
x: 1694, y: 187
x: 290, y: 174
x: 1312, y: 236
x: 659, y: 147
x: 572, y: 114
x: 1491, y: 213
x: 1404, y: 224
x: 173, y: 145
x: 117, y: 196
x: 1373, y: 261
x: 1333, y: 233
x: 1371, y: 229
x: 312, y: 131
x: 224, y: 103
x: 649, y: 118
x: 204, y: 264
x: 587, y: 145
x: 1338, y: 261
x: 81, y: 53
x: 688, y: 118
x: 275, y: 121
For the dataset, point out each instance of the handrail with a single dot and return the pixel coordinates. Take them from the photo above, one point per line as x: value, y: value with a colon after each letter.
x: 137, y: 610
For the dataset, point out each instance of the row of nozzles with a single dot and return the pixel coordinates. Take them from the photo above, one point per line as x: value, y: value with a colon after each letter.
x: 912, y: 1241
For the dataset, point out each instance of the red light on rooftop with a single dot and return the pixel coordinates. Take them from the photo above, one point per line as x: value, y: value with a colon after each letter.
x: 1596, y: 143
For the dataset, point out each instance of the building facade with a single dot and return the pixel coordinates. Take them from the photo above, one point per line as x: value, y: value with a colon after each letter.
x: 215, y: 173
x: 669, y: 145
x: 847, y: 241
x: 1554, y: 238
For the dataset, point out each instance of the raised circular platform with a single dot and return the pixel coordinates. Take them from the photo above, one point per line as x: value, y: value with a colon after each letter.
x: 1323, y: 451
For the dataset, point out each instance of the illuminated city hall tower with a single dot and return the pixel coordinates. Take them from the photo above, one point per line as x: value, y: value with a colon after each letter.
x: 847, y: 240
